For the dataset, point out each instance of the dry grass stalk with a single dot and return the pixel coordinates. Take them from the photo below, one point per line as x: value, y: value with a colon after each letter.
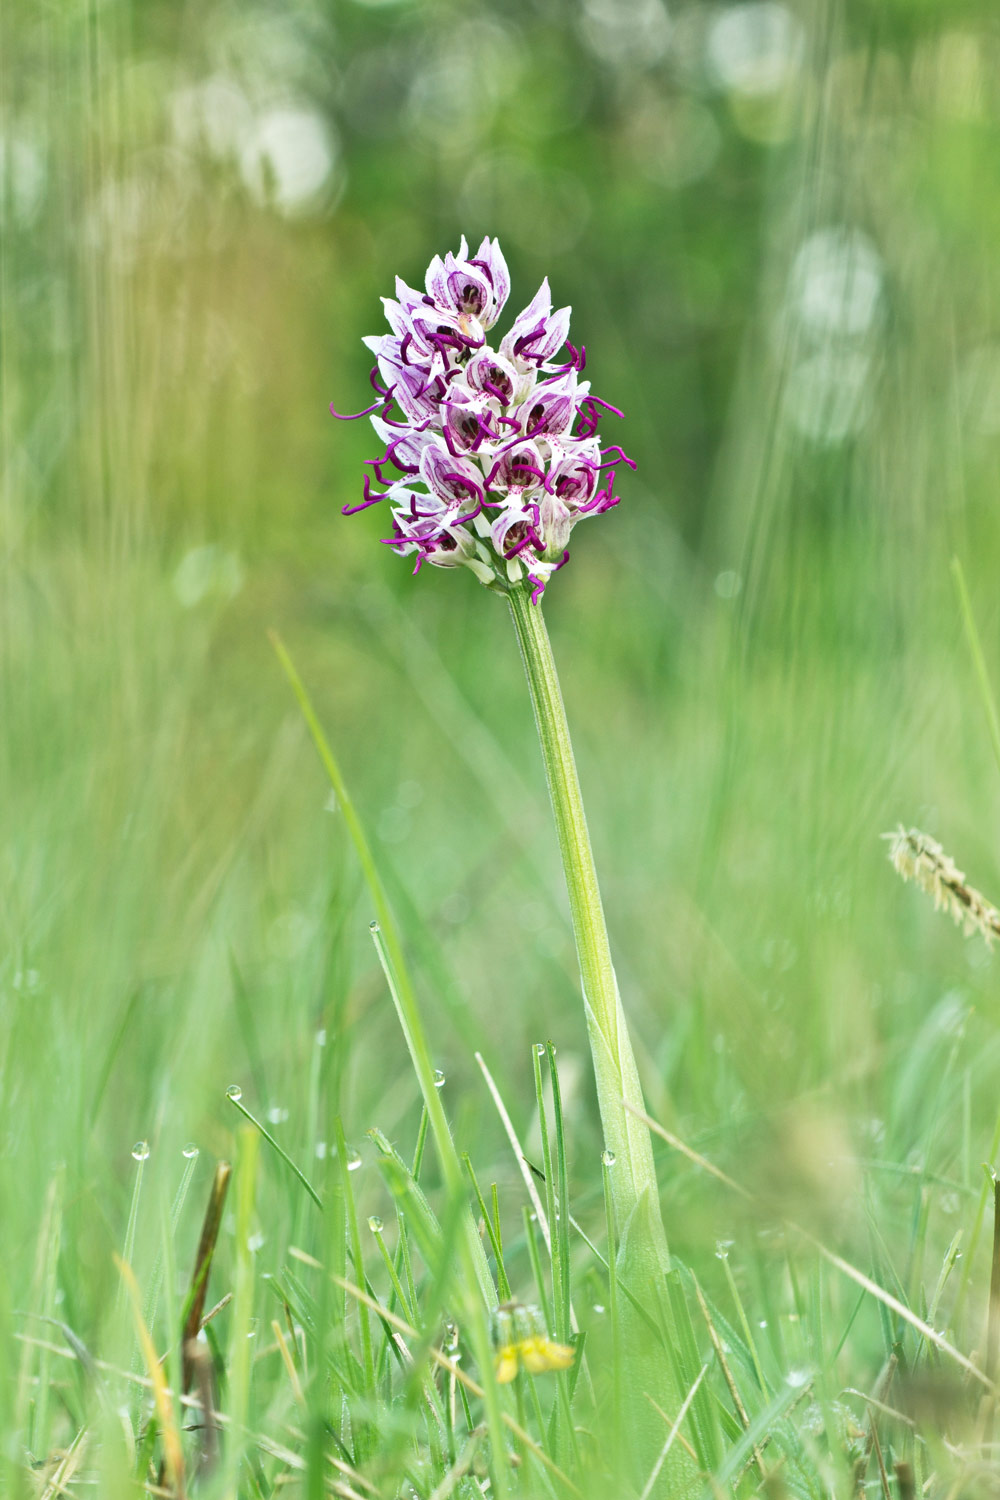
x: 918, y: 857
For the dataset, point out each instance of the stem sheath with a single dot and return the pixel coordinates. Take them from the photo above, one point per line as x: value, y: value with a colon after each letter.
x: 633, y: 1177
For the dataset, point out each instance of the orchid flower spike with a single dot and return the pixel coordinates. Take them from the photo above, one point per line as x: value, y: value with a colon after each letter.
x: 495, y: 451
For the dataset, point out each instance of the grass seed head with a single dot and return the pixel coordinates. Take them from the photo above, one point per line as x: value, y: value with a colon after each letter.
x: 918, y: 857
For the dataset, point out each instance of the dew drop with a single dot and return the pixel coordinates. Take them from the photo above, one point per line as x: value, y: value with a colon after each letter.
x: 352, y: 1159
x: 255, y: 1243
x: 540, y: 1048
x: 797, y: 1379
x: 190, y: 1151
x: 234, y: 1092
x: 438, y: 1079
x: 598, y: 1308
x: 254, y: 1328
x: 375, y: 1224
x: 722, y: 1249
x: 608, y: 1158
x: 140, y: 1150
x: 374, y: 927
x: 321, y: 1150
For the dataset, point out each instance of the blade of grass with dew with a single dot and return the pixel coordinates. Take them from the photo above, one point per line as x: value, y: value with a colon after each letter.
x: 236, y: 1101
x: 409, y: 1018
x: 406, y: 1191
x: 390, y: 952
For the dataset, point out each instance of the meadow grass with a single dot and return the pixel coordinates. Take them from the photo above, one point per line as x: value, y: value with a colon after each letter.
x: 766, y: 669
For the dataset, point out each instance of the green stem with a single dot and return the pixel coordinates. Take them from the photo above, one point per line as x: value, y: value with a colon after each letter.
x: 633, y: 1177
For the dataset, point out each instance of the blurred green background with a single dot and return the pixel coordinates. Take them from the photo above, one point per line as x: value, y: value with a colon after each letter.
x: 777, y: 225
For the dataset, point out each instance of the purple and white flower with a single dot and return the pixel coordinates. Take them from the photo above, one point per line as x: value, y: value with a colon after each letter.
x: 496, y: 450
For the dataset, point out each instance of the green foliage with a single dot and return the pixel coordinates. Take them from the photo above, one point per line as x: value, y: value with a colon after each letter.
x: 765, y: 665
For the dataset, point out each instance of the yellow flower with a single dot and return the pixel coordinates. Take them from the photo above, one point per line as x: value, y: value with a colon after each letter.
x: 524, y: 1343
x: 507, y: 1363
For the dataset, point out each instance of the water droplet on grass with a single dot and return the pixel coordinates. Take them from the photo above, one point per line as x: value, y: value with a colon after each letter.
x: 608, y: 1158
x: 374, y: 927
x: 353, y: 1159
x: 598, y: 1308
x: 540, y: 1048
x: 140, y: 1150
x: 439, y: 1079
x: 375, y: 1224
x: 190, y: 1151
x: 234, y: 1092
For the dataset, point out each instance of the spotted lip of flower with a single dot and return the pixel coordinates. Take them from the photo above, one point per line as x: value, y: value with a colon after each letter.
x: 497, y: 450
x: 477, y: 288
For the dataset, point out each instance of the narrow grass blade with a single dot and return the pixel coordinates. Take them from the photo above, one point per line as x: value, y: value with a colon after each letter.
x: 562, y: 1298
x: 239, y: 1362
x: 503, y: 1285
x: 237, y: 1102
x: 727, y: 1373
x: 202, y: 1267
x: 173, y: 1452
x: 354, y: 1246
x: 993, y: 1323
x: 519, y: 1156
x: 977, y: 1228
x: 390, y: 952
x: 647, y: 1488
x: 409, y: 1019
x: 538, y: 1051
x: 45, y: 1288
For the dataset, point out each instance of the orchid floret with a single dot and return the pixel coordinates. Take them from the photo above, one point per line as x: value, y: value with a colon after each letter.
x: 496, y: 447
